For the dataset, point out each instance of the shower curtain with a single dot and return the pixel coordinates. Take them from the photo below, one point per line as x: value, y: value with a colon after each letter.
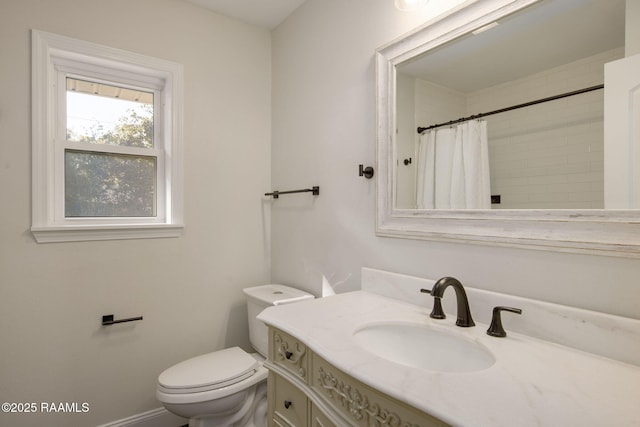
x: 453, y: 168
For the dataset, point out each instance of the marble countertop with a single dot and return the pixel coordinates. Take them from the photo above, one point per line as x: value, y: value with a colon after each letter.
x: 532, y: 383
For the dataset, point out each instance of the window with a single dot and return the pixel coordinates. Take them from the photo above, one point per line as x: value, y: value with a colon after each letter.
x: 106, y: 142
x: 110, y: 152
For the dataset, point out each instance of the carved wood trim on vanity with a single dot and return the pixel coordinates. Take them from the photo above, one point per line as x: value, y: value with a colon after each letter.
x: 357, y: 403
x: 305, y: 390
x: 291, y: 352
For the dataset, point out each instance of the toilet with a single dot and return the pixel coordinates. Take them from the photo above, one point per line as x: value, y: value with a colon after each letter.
x: 227, y: 388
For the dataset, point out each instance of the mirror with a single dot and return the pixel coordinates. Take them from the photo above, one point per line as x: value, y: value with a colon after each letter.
x: 546, y: 161
x: 549, y: 155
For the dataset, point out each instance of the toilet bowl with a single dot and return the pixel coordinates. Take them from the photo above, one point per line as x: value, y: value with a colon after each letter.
x: 216, y: 389
x: 227, y: 388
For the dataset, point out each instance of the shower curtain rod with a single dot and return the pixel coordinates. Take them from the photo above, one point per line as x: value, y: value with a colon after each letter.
x: 514, y: 107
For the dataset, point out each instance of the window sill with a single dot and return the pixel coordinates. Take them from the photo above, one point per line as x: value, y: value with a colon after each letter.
x: 103, y: 232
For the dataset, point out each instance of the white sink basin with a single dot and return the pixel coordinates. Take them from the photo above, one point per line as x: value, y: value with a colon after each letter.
x: 422, y: 347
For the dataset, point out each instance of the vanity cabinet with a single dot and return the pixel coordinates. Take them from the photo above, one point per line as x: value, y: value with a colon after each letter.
x: 306, y: 390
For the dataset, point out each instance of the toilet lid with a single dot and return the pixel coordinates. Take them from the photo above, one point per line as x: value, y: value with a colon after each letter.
x: 209, y: 371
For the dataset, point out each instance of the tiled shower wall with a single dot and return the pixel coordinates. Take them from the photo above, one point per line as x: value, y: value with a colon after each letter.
x: 550, y: 155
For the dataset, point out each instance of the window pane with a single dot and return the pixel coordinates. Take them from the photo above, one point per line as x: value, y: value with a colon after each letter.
x: 109, y: 185
x: 105, y: 114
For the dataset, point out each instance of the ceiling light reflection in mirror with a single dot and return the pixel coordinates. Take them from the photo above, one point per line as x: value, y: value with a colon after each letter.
x: 410, y: 5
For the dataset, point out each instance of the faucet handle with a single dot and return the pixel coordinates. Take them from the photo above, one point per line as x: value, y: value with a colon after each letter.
x: 436, y: 312
x: 496, y: 329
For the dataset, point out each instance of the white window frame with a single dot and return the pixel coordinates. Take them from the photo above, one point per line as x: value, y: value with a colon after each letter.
x: 56, y: 57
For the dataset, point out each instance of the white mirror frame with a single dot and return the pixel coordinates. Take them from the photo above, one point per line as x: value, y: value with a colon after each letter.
x: 590, y: 231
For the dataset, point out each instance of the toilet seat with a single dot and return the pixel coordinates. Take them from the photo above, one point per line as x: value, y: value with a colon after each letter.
x: 210, y: 371
x: 210, y: 376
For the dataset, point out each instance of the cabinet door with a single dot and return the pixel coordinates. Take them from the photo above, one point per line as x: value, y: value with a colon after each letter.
x: 290, y: 405
x: 319, y: 419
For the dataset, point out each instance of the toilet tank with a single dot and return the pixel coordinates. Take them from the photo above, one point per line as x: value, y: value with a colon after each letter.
x: 261, y: 297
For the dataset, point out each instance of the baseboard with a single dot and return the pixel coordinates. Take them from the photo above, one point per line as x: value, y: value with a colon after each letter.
x: 155, y: 418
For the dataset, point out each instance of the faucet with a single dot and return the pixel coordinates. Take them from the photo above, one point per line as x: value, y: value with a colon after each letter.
x: 464, y: 314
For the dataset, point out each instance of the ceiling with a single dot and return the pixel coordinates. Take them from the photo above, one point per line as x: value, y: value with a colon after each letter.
x: 264, y: 13
x: 539, y: 38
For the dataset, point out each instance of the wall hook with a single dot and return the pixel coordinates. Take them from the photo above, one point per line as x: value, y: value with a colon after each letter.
x: 407, y: 162
x: 366, y: 172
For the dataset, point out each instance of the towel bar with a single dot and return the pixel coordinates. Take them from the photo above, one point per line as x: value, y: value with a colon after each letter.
x: 108, y: 319
x: 313, y: 190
